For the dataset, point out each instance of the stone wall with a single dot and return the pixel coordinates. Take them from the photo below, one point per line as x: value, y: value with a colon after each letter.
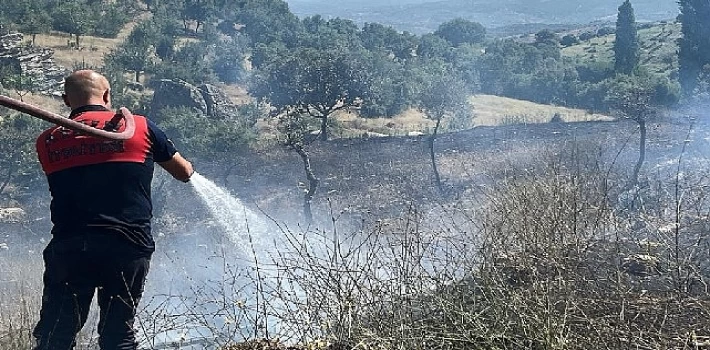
x: 37, y: 62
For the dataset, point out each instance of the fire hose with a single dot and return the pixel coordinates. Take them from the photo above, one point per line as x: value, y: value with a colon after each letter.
x: 37, y: 112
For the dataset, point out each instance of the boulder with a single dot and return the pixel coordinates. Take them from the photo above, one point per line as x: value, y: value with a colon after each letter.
x: 178, y: 93
x: 218, y: 104
x: 641, y: 265
x: 12, y: 215
x: 207, y: 99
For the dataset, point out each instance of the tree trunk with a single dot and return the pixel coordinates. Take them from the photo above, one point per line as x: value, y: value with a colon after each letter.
x: 323, y: 128
x: 312, y: 182
x: 432, y: 138
x: 642, y: 152
x: 138, y: 76
x: 34, y: 36
x: 77, y: 40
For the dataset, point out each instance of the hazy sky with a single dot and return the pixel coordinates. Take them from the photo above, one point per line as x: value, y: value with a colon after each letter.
x: 425, y: 15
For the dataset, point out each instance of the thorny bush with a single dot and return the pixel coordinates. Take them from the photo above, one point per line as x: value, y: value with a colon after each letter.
x: 560, y: 255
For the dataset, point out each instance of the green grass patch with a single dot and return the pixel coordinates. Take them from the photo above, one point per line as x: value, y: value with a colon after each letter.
x: 658, y: 48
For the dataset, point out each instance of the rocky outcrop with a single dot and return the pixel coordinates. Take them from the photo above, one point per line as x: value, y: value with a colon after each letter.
x: 641, y: 265
x: 177, y: 93
x: 206, y: 99
x: 36, y: 62
x: 218, y: 104
x: 12, y: 215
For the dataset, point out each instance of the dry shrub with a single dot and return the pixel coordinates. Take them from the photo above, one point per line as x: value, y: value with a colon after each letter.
x: 562, y: 256
x: 558, y: 254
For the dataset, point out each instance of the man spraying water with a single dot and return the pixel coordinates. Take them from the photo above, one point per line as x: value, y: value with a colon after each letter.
x: 101, y: 213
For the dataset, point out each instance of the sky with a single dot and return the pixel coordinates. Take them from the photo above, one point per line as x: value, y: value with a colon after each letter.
x: 425, y: 15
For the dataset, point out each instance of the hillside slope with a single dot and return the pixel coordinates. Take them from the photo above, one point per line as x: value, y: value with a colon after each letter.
x: 377, y: 178
x: 658, y: 48
x: 487, y: 110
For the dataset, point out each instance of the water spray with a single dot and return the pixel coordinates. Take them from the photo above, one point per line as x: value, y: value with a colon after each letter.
x: 245, y: 228
x: 37, y: 112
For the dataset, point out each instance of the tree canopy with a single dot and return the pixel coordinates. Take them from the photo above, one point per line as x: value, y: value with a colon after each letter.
x: 626, y: 43
x: 308, y: 81
x: 460, y: 31
x: 694, y: 46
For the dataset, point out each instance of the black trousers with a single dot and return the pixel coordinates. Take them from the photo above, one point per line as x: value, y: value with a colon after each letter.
x: 77, y: 267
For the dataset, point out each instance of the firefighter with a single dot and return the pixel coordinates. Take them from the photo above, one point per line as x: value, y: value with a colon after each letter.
x: 101, y: 214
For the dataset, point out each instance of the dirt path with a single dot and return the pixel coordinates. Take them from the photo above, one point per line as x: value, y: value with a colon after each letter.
x: 92, y: 49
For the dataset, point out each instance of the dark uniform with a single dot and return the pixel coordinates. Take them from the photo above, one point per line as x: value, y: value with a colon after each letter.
x: 101, y: 236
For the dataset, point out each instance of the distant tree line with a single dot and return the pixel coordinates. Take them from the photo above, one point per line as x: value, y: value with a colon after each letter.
x: 285, y: 60
x: 263, y: 44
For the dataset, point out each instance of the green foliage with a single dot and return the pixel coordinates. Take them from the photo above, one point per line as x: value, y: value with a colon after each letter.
x: 595, y: 71
x: 635, y: 94
x: 266, y: 21
x: 309, y: 81
x: 295, y: 129
x: 191, y: 63
x: 21, y: 83
x: 460, y: 31
x: 75, y: 17
x: 386, y: 88
x: 167, y: 23
x: 317, y: 65
x: 626, y: 44
x: 121, y: 96
x: 167, y: 30
x: 8, y: 70
x: 165, y: 47
x: 604, y: 31
x: 587, y: 36
x: 229, y: 59
x: 465, y: 60
x: 307, y: 78
x: 329, y: 35
x: 694, y: 46
x: 113, y: 17
x: 379, y: 38
x: 508, y: 68
x: 444, y: 95
x: 135, y: 54
x: 569, y: 40
x: 546, y: 36
x: 535, y: 72
x: 433, y: 46
x: 33, y: 18
x: 18, y: 166
x: 548, y: 43
x: 200, y: 11
x: 144, y: 34
x: 204, y: 137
